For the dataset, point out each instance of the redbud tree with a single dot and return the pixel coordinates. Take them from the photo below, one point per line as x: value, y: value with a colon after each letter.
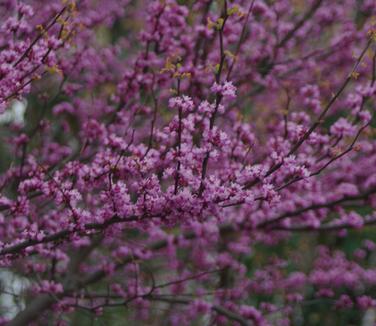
x: 180, y: 162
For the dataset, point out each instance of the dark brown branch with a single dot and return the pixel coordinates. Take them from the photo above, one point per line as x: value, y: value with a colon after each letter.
x: 307, y: 16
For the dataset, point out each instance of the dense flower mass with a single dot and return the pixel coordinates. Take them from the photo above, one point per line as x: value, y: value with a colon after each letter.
x: 178, y: 162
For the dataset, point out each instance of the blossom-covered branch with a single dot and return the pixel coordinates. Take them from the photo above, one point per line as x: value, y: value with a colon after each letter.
x: 187, y: 162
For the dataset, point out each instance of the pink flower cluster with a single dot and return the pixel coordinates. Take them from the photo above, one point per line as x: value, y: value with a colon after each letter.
x: 192, y: 162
